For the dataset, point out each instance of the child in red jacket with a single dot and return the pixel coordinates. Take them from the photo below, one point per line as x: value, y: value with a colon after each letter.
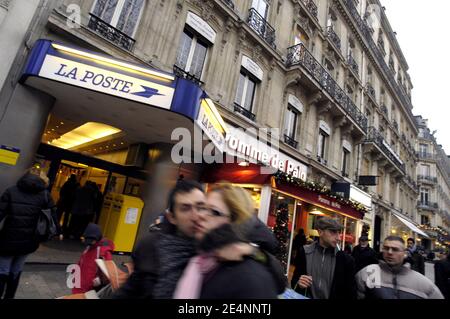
x: 97, y: 248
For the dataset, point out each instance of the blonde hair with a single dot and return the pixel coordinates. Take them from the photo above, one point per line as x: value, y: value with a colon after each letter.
x: 238, y: 200
x: 38, y: 172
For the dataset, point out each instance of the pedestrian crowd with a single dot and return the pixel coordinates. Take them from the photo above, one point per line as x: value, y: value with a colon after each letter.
x: 207, y: 246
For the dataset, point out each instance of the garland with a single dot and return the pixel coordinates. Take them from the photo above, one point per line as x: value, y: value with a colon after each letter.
x: 318, y: 188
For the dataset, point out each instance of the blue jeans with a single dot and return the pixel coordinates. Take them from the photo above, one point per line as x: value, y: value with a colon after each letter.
x: 12, y: 264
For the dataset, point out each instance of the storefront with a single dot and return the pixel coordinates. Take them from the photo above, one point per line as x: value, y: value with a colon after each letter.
x: 405, y: 228
x: 284, y: 202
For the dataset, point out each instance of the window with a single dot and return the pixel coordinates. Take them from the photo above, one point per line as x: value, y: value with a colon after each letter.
x: 290, y: 122
x: 121, y: 14
x: 345, y: 162
x: 261, y: 7
x: 245, y: 91
x: 321, y: 147
x: 191, y: 54
x: 424, y: 196
x: 424, y: 220
x: 425, y: 170
x: 300, y: 37
x: 423, y: 149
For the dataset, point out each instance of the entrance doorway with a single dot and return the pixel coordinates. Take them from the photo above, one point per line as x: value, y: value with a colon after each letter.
x: 377, y: 233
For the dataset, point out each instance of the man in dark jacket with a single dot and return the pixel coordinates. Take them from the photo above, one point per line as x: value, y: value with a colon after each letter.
x: 363, y: 254
x: 414, y: 257
x: 83, y: 209
x: 20, y: 206
x: 442, y: 275
x: 66, y: 199
x: 321, y: 270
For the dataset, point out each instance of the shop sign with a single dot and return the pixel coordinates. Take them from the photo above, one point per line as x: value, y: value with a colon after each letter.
x: 329, y: 202
x: 212, y: 124
x: 252, y: 67
x: 201, y: 26
x: 359, y: 196
x: 106, y: 81
x: 240, y: 143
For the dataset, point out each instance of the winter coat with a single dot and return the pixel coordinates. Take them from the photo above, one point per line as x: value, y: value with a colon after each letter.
x: 21, y: 205
x: 67, y: 194
x: 343, y: 285
x: 416, y: 260
x: 85, y: 201
x: 442, y: 276
x: 384, y: 282
x: 364, y: 257
x: 252, y: 278
x: 88, y: 267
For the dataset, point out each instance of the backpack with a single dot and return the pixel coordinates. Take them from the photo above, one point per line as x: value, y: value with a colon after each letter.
x: 46, y: 227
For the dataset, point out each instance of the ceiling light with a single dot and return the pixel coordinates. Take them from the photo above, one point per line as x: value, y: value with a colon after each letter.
x: 280, y: 197
x: 317, y: 212
x: 244, y: 164
x: 85, y: 133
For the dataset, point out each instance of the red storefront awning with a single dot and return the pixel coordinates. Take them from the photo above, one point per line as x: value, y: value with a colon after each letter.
x: 324, y: 201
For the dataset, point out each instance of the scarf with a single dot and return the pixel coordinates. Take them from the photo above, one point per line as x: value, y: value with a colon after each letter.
x: 190, y: 284
x: 174, y: 253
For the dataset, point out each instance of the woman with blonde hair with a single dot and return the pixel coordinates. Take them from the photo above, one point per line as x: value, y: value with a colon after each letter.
x: 234, y: 259
x: 20, y: 207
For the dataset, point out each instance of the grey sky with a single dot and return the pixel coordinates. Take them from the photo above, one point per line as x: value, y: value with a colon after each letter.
x: 422, y: 31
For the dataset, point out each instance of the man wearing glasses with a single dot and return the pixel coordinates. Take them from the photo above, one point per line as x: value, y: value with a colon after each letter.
x: 392, y: 278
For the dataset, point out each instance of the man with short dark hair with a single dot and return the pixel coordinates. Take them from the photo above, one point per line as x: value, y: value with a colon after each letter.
x: 414, y: 257
x: 322, y: 271
x: 392, y: 278
x: 363, y: 254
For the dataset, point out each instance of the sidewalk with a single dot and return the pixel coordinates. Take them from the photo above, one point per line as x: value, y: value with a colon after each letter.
x: 64, y: 252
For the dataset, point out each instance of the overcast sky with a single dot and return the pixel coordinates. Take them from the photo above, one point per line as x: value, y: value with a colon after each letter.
x: 423, y: 33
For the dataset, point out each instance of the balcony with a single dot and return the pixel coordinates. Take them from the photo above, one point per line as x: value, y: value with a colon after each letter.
x: 179, y: 72
x: 110, y: 33
x: 426, y: 156
x: 262, y: 27
x: 392, y: 66
x: 239, y: 109
x: 427, y: 179
x: 229, y: 3
x: 375, y: 137
x: 366, y: 31
x: 395, y: 124
x: 290, y: 141
x: 311, y: 7
x: 427, y: 205
x: 380, y: 44
x: 299, y: 55
x: 353, y: 65
x: 384, y: 110
x: 334, y: 38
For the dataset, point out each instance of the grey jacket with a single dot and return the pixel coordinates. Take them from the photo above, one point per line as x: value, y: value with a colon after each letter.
x: 384, y: 282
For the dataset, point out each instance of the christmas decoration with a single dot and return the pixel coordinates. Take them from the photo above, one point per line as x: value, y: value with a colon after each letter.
x: 318, y: 188
x: 281, y: 232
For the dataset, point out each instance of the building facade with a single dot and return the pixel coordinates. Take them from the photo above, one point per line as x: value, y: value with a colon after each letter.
x: 329, y: 74
x: 434, y: 182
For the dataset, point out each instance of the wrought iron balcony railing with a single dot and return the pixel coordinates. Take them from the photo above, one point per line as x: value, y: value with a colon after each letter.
x: 262, y: 27
x: 384, y: 109
x: 425, y: 155
x: 110, y: 33
x: 395, y: 124
x: 312, y: 7
x: 374, y: 136
x: 299, y: 55
x: 427, y: 178
x: 352, y: 63
x: 391, y: 65
x: 244, y: 111
x: 181, y: 73
x: 331, y: 34
x: 366, y: 31
x: 427, y: 205
x: 290, y: 141
x: 380, y: 44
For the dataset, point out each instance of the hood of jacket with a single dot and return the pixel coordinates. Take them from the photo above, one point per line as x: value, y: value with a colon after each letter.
x: 30, y: 183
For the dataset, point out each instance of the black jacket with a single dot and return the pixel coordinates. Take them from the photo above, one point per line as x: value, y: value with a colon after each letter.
x: 364, y: 257
x: 21, y: 205
x: 251, y: 278
x: 343, y: 285
x: 442, y: 276
x: 417, y: 261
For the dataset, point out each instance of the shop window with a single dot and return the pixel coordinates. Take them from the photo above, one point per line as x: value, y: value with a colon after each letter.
x: 290, y: 122
x: 245, y: 91
x: 120, y: 14
x: 192, y: 54
x: 322, y: 145
x: 345, y: 162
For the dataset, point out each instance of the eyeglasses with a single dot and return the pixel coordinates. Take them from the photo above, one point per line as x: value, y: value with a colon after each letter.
x: 386, y: 249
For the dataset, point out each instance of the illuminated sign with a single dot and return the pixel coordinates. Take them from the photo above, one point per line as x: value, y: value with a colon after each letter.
x: 106, y: 81
x: 212, y: 124
x: 9, y: 155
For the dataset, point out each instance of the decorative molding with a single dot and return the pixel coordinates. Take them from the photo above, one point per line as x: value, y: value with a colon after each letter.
x: 5, y: 4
